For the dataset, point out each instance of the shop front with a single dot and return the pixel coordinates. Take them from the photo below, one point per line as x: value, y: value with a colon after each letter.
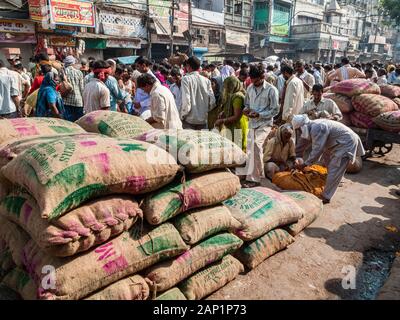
x: 18, y: 34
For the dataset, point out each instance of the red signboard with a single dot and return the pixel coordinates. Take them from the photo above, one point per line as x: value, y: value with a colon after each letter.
x: 72, y: 12
x: 36, y: 9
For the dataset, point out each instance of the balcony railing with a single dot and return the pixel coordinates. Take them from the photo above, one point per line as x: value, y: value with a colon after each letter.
x: 321, y: 27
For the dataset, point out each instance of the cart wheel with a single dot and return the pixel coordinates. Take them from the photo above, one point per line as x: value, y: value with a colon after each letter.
x: 383, y: 148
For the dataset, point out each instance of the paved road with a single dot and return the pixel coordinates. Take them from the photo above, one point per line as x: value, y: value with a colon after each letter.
x: 354, y: 230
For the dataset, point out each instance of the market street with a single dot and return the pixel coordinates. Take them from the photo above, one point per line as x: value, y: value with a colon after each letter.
x: 351, y: 231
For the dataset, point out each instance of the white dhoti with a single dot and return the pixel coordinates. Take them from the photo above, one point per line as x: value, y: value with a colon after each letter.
x: 255, y: 153
x: 336, y: 171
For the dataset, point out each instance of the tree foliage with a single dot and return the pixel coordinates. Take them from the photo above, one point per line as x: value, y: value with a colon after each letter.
x: 392, y: 9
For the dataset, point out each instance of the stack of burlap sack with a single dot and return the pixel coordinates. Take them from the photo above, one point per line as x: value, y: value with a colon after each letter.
x: 366, y: 105
x: 71, y: 213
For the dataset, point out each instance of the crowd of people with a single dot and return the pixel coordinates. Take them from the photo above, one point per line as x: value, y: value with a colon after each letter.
x: 279, y: 109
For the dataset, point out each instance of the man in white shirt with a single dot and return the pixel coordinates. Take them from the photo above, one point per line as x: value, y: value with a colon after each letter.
x: 318, y: 107
x: 197, y: 97
x: 142, y: 99
x: 261, y: 106
x: 307, y: 78
x: 293, y: 99
x: 214, y: 70
x: 164, y: 113
x: 96, y: 95
x: 175, y: 88
x: 9, y: 93
x: 227, y: 70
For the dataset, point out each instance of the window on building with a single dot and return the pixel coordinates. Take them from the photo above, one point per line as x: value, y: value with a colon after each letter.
x: 238, y: 7
x: 214, y: 37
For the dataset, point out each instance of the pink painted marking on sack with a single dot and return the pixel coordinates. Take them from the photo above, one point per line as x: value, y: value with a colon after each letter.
x: 27, y: 131
x: 117, y: 265
x: 183, y: 257
x: 27, y: 213
x: 192, y: 199
x: 108, y: 253
x: 136, y: 183
x: 88, y: 143
x: 101, y: 160
x: 91, y: 118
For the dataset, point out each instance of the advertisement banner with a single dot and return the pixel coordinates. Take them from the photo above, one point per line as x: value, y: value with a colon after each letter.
x: 36, y: 8
x: 16, y: 26
x: 123, y: 44
x: 280, y: 21
x: 237, y: 38
x: 122, y: 25
x: 72, y: 12
x: 60, y: 41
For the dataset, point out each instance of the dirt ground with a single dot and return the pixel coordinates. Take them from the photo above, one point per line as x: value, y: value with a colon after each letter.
x: 360, y: 228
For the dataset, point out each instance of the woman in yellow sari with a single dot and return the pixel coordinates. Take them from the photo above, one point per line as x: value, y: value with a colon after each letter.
x: 232, y: 117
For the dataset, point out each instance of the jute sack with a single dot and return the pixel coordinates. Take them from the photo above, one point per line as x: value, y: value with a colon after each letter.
x: 172, y: 294
x: 131, y: 288
x: 390, y: 91
x: 8, y: 294
x: 6, y: 260
x: 62, y: 174
x: 312, y: 207
x: 342, y: 101
x: 260, y: 210
x: 198, y: 151
x: 355, y: 167
x: 199, y: 224
x: 113, y: 124
x: 373, y: 105
x: 93, y: 223
x: 165, y: 275
x: 212, y: 278
x: 25, y: 128
x: 14, y: 238
x: 255, y: 252
x: 12, y: 148
x: 397, y: 101
x: 20, y: 281
x: 354, y: 87
x: 360, y: 120
x: 196, y: 191
x: 129, y: 253
x: 389, y: 121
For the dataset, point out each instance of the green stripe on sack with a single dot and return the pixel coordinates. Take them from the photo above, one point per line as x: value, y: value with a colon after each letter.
x: 13, y: 204
x: 225, y: 239
x: 60, y: 129
x: 77, y: 197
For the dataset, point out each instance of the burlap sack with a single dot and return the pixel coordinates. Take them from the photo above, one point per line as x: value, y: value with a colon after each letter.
x: 6, y: 260
x: 14, y: 238
x: 373, y: 105
x: 62, y: 174
x: 260, y: 210
x: 360, y: 120
x: 212, y: 278
x: 8, y: 294
x: 172, y: 294
x: 20, y: 281
x: 25, y: 128
x: 312, y: 208
x: 129, y: 253
x: 354, y: 87
x: 389, y: 121
x: 343, y: 102
x: 114, y: 124
x: 346, y: 120
x: 167, y: 274
x: 199, y: 190
x: 91, y: 224
x: 397, y: 101
x: 355, y: 167
x: 199, y: 224
x: 131, y: 288
x: 255, y: 252
x: 198, y: 151
x: 12, y: 148
x: 390, y: 91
